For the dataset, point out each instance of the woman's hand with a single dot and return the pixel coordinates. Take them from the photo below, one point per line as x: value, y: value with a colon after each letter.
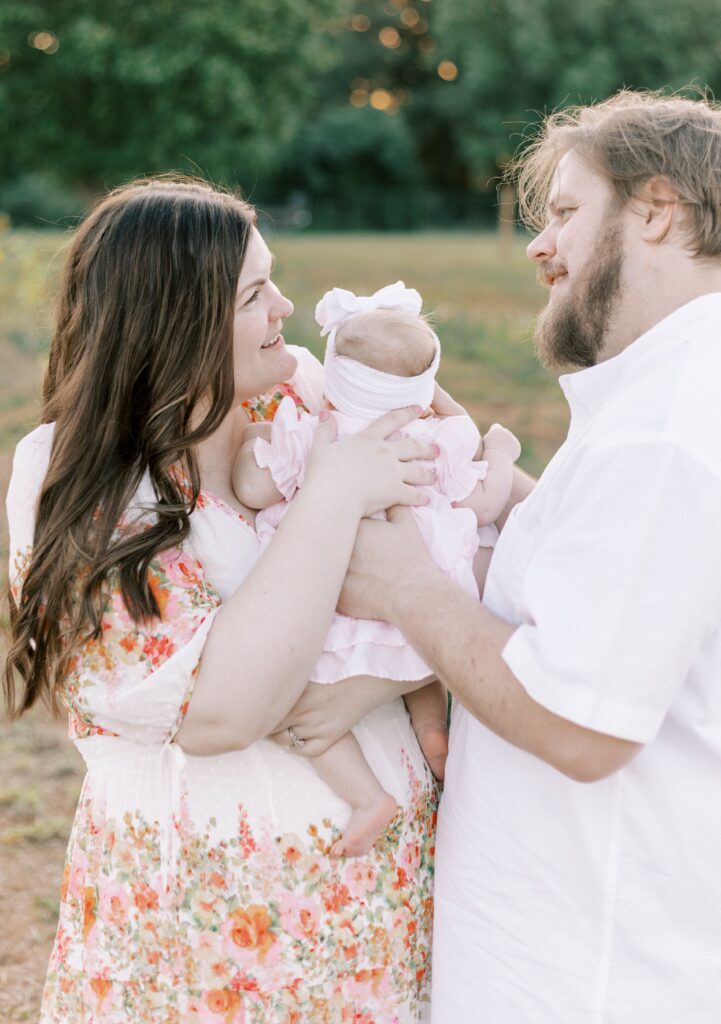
x: 325, y: 713
x: 372, y: 468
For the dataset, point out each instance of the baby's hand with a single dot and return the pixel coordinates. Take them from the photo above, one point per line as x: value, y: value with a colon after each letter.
x: 502, y: 440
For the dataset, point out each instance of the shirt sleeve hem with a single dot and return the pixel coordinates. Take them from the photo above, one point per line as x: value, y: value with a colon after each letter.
x: 578, y: 703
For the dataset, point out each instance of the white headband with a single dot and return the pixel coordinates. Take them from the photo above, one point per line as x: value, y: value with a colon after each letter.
x: 359, y: 390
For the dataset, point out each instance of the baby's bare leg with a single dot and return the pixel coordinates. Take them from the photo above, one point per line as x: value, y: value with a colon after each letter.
x: 428, y: 708
x: 344, y: 768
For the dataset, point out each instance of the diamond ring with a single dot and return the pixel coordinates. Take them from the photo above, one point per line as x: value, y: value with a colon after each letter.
x: 297, y: 742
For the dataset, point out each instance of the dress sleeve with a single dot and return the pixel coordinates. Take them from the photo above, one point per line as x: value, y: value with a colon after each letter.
x: 286, y: 454
x: 623, y: 591
x: 458, y: 439
x: 135, y: 680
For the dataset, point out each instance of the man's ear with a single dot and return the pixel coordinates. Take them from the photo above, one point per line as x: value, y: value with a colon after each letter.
x: 657, y: 204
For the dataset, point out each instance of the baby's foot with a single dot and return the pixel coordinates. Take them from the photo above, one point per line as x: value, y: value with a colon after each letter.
x: 433, y: 741
x: 365, y: 825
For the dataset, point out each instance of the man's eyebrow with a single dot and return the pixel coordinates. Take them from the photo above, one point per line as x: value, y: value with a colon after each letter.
x: 259, y: 280
x: 560, y: 203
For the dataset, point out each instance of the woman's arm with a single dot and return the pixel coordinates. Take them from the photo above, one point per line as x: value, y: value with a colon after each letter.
x: 267, y: 637
x: 325, y: 713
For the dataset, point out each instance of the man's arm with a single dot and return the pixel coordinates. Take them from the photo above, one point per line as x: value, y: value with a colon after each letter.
x: 462, y: 642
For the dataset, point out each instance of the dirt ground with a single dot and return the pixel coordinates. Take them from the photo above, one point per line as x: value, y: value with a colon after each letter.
x: 41, y: 778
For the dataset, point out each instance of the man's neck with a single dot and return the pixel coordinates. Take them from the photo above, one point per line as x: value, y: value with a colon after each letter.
x: 652, y: 305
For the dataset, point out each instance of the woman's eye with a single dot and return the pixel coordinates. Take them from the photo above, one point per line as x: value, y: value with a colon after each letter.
x: 253, y: 297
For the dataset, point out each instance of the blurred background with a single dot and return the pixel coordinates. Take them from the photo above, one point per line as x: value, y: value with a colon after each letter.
x: 372, y: 135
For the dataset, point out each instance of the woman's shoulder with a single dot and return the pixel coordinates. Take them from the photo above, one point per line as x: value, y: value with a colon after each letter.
x: 37, y: 444
x: 30, y: 463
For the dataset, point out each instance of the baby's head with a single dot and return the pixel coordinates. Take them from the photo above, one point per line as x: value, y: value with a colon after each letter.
x: 389, y: 340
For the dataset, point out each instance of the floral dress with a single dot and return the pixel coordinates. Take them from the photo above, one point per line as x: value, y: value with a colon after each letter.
x: 199, y: 890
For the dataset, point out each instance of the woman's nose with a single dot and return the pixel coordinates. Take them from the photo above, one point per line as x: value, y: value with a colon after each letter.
x: 543, y: 246
x: 283, y: 307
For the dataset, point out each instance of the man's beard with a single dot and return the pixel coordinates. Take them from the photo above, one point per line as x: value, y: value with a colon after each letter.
x: 573, y: 330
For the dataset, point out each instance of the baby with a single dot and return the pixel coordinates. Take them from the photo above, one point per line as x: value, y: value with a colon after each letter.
x: 382, y: 355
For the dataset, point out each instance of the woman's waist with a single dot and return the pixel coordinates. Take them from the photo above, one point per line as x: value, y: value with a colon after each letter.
x: 263, y: 776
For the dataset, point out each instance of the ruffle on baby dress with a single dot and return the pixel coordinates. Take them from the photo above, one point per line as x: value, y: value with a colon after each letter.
x: 364, y: 646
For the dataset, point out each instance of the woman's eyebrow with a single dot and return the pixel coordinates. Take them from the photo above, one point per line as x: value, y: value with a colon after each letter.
x: 258, y: 280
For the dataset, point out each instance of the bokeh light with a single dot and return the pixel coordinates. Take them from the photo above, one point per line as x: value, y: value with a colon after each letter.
x: 45, y: 41
x: 409, y: 17
x: 381, y: 99
x: 390, y: 37
x: 447, y: 70
x: 360, y: 23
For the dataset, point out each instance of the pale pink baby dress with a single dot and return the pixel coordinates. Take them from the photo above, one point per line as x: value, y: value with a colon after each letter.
x: 363, y: 646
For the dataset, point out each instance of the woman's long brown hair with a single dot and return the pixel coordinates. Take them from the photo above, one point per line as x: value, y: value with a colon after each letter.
x: 143, y: 340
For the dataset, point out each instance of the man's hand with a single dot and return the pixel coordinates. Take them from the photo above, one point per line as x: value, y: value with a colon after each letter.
x: 389, y: 558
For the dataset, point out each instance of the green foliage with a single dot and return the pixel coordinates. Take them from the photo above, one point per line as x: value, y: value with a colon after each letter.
x: 519, y: 58
x: 39, y: 200
x: 343, y: 100
x: 346, y: 148
x: 134, y: 88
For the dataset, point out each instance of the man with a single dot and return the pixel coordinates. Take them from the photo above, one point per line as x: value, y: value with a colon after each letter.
x: 579, y: 839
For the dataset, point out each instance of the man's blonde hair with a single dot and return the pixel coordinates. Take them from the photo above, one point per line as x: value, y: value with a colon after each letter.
x: 388, y: 340
x: 628, y: 139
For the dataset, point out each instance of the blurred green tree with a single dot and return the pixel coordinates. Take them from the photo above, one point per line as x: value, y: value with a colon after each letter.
x: 519, y: 58
x: 101, y: 90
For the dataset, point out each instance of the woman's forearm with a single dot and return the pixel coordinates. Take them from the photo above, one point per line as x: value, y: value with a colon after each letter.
x: 324, y: 713
x: 261, y: 648
x: 266, y: 638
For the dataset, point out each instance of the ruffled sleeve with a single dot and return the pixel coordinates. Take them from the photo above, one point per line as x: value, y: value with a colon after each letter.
x: 136, y: 679
x: 458, y: 439
x: 286, y: 454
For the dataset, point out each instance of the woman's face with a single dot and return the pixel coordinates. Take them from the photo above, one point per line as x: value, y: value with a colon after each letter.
x: 260, y: 358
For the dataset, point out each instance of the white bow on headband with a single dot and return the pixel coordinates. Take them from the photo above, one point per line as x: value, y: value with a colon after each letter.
x: 359, y: 390
x: 339, y: 305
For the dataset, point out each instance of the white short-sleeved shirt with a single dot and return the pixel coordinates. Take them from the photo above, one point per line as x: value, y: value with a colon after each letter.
x: 560, y: 902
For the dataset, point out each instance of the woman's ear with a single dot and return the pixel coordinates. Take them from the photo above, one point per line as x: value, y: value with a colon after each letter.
x: 657, y: 203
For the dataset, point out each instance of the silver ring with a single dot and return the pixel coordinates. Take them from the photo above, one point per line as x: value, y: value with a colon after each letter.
x: 297, y: 742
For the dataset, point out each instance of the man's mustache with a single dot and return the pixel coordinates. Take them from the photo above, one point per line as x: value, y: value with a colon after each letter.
x: 549, y: 270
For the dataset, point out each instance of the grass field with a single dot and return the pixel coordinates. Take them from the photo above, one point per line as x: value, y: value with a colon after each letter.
x: 483, y: 305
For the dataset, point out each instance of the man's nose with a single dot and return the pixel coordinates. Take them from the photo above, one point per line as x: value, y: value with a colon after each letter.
x: 543, y: 246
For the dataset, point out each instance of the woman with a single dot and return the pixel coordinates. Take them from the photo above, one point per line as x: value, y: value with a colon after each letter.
x: 198, y: 885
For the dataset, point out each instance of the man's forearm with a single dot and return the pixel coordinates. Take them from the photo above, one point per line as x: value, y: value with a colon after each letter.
x: 462, y: 642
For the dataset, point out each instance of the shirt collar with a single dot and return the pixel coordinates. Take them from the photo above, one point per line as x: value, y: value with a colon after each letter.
x: 587, y: 390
